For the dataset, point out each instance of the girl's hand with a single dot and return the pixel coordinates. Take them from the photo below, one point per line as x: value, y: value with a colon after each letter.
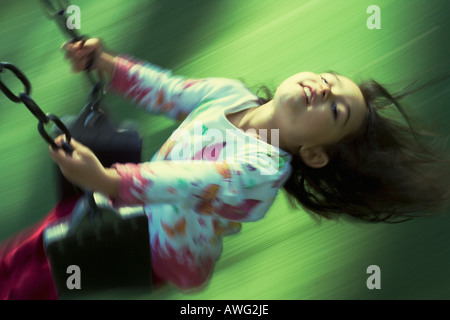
x: 82, y: 168
x: 83, y: 54
x: 90, y: 54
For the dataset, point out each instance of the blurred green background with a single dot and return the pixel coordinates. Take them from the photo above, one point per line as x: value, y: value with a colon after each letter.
x: 287, y: 255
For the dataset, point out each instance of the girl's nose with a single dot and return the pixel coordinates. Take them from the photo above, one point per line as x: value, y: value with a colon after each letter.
x: 324, y: 91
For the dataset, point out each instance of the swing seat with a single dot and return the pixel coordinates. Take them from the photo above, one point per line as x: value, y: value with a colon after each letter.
x: 91, y: 252
x: 109, y: 248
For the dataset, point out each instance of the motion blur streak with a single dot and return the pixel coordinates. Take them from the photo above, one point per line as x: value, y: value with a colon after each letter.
x: 287, y: 255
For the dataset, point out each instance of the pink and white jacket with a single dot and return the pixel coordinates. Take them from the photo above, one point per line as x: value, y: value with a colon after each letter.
x: 206, y: 179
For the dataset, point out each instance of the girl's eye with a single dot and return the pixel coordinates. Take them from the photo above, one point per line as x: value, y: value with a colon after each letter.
x: 324, y: 80
x: 334, y: 109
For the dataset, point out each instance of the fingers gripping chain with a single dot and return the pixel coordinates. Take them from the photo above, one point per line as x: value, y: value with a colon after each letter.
x: 66, y: 144
x: 55, y: 10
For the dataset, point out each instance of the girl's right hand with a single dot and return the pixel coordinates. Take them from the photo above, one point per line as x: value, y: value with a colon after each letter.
x: 82, y: 168
x: 83, y: 54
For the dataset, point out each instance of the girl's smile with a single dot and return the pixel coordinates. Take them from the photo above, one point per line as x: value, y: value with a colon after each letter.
x: 310, y: 111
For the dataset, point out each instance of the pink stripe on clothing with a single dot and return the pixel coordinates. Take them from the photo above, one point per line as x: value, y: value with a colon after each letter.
x: 120, y: 80
x: 122, y: 83
x: 132, y: 185
x: 178, y: 266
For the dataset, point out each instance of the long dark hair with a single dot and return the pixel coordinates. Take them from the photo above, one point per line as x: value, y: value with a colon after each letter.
x: 387, y: 171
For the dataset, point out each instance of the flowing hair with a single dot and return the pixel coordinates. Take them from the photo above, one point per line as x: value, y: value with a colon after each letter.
x: 387, y: 171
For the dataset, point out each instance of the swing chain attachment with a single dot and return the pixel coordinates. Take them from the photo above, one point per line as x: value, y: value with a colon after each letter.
x: 56, y: 10
x: 32, y: 106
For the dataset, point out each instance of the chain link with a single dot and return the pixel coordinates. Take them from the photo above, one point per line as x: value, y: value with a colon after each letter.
x: 11, y: 96
x: 32, y: 106
x: 54, y: 9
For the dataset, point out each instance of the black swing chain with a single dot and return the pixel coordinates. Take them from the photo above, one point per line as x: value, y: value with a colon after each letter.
x: 43, y: 119
x: 96, y: 93
x: 56, y: 10
x: 32, y: 106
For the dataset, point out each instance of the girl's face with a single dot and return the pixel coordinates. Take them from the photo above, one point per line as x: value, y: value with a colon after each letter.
x: 314, y: 110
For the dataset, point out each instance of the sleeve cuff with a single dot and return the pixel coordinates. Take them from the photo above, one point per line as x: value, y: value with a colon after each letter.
x: 131, y: 185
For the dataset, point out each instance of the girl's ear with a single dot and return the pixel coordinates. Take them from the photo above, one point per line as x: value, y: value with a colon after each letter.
x: 314, y: 157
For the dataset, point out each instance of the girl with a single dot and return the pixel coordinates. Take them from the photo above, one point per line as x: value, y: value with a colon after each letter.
x: 321, y: 138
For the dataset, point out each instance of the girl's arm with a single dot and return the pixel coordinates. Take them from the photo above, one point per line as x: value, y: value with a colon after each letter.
x: 152, y: 88
x: 236, y: 191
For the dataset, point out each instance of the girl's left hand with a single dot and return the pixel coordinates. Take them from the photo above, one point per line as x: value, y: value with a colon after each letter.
x: 82, y: 168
